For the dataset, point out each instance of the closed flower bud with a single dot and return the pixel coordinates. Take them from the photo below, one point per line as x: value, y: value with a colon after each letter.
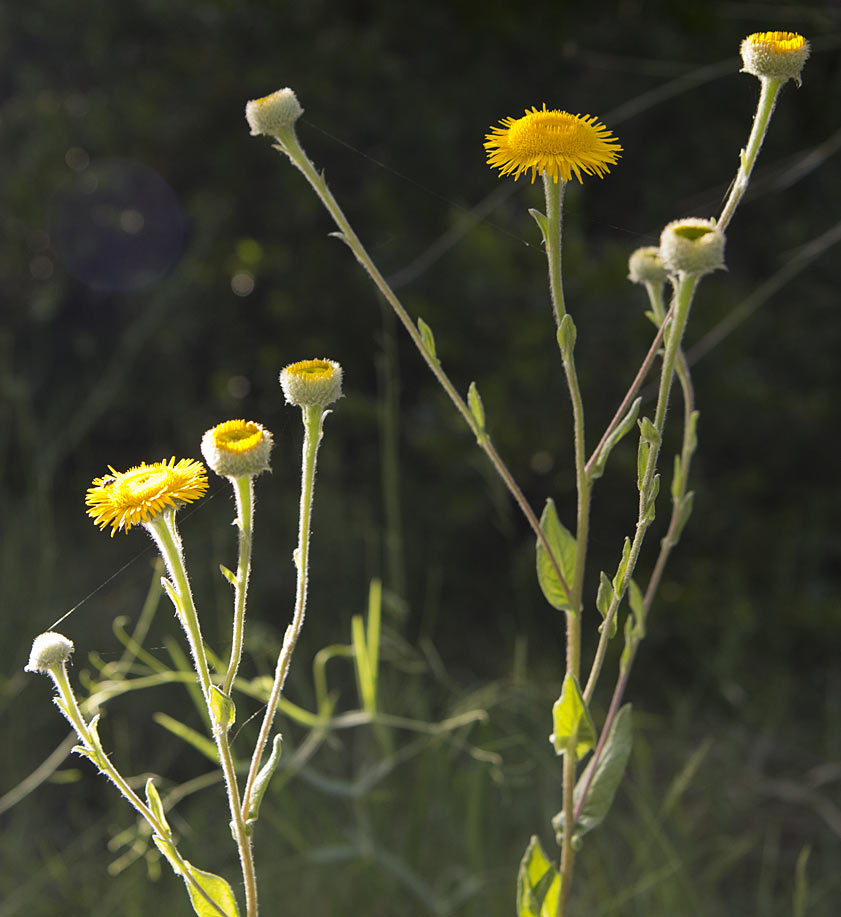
x: 775, y: 55
x: 645, y: 266
x: 312, y: 383
x: 692, y: 246
x: 49, y: 650
x: 237, y: 447
x: 273, y: 113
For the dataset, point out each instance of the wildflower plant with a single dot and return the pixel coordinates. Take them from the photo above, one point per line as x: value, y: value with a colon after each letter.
x: 149, y: 495
x: 557, y: 146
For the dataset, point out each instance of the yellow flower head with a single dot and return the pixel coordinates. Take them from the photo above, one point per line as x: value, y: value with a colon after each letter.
x: 237, y: 447
x: 554, y: 143
x: 141, y: 494
x: 312, y: 383
x: 775, y: 55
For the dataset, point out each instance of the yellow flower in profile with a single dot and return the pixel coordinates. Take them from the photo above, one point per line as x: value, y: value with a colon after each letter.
x: 141, y: 494
x: 554, y: 143
x: 775, y: 55
x: 237, y: 447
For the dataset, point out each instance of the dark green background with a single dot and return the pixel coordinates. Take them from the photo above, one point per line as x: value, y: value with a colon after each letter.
x: 744, y: 641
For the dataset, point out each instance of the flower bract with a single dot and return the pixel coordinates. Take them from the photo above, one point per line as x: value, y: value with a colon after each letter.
x: 312, y: 383
x: 141, y: 494
x: 553, y: 143
x: 237, y: 447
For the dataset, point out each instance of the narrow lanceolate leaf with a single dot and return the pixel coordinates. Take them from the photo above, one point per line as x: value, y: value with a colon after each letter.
x: 428, y: 338
x: 188, y: 734
x: 477, y: 409
x: 604, y: 598
x: 622, y: 430
x: 538, y: 883
x: 620, y: 579
x: 693, y: 431
x: 567, y: 334
x: 155, y: 804
x: 228, y: 574
x: 637, y: 603
x: 642, y: 461
x: 685, y: 512
x: 649, y: 432
x: 609, y: 770
x: 542, y: 222
x: 264, y: 776
x: 563, y: 547
x: 571, y: 721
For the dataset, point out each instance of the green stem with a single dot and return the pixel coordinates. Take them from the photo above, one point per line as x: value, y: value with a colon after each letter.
x: 70, y: 708
x: 764, y: 109
x: 681, y: 304
x: 243, y: 486
x: 313, y: 424
x: 554, y: 192
x: 165, y: 533
x: 288, y: 143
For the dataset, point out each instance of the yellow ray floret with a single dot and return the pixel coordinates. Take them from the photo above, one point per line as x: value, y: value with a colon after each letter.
x: 141, y: 494
x: 553, y: 143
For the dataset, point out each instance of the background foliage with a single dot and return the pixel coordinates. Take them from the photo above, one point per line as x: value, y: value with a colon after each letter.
x: 159, y: 267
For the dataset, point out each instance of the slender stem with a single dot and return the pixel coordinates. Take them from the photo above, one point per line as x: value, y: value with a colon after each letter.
x: 554, y: 192
x: 313, y: 425
x: 288, y: 143
x: 623, y: 408
x: 764, y: 109
x: 166, y: 535
x: 243, y: 486
x: 70, y: 708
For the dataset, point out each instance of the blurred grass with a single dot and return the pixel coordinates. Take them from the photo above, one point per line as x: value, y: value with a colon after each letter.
x: 742, y: 656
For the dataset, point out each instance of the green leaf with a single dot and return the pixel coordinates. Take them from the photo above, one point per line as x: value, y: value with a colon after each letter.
x: 477, y: 409
x: 567, y: 334
x: 155, y: 804
x: 650, y: 507
x: 563, y: 548
x: 222, y: 710
x: 428, y: 338
x: 692, y: 438
x: 189, y: 735
x: 677, y: 479
x: 637, y: 603
x: 685, y: 512
x: 604, y: 598
x: 649, y: 432
x: 264, y: 776
x: 642, y: 461
x: 571, y: 721
x: 542, y: 222
x: 801, y: 883
x: 217, y: 890
x: 619, y: 580
x: 229, y: 576
x: 622, y: 430
x: 538, y: 883
x: 609, y: 770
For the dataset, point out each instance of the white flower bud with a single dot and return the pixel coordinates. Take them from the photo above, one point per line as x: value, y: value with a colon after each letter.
x: 273, y: 113
x: 692, y: 246
x: 237, y: 447
x: 49, y: 650
x: 645, y: 266
x: 312, y: 383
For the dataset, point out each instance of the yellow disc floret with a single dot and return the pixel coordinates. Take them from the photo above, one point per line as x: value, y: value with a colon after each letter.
x: 312, y: 383
x: 141, y: 494
x: 553, y: 143
x: 775, y: 55
x: 237, y: 447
